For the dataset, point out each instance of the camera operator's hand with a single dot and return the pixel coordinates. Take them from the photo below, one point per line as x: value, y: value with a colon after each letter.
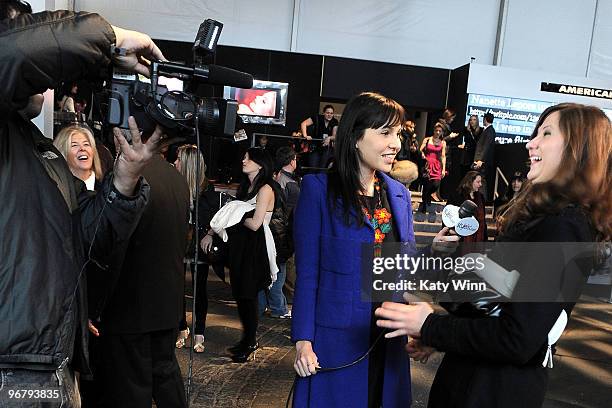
x: 138, y: 48
x: 132, y: 158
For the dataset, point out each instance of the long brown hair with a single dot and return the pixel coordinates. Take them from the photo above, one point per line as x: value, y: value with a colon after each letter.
x: 465, y: 186
x: 584, y: 175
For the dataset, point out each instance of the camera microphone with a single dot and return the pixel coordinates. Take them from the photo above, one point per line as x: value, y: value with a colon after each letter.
x: 219, y: 75
x: 207, y: 74
x: 467, y: 209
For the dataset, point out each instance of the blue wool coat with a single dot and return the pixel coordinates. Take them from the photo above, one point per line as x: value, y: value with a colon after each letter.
x: 328, y: 309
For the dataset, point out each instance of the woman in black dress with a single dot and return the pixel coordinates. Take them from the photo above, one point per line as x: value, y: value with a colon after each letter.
x: 249, y: 242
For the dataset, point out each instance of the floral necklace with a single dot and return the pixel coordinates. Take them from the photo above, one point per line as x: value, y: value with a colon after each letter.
x: 380, y: 220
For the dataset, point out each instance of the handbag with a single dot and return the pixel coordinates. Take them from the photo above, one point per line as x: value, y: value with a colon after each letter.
x: 218, y: 252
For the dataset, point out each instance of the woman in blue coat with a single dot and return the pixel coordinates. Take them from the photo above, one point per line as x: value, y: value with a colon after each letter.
x: 355, y: 203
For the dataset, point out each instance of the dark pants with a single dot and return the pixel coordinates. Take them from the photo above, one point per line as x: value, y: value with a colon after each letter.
x: 201, y: 300
x: 139, y: 368
x: 91, y: 387
x: 429, y: 188
x: 488, y: 183
x: 248, y: 313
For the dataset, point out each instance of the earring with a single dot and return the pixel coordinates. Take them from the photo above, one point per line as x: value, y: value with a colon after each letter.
x: 356, y: 146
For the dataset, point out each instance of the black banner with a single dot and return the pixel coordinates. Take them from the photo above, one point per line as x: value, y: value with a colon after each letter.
x: 576, y: 90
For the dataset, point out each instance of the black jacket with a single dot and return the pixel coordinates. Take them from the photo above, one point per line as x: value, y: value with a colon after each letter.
x: 485, y: 148
x: 497, y: 361
x: 208, y: 204
x: 148, y: 295
x: 48, y: 221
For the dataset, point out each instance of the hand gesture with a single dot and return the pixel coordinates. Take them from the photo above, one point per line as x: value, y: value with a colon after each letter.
x: 138, y: 48
x: 93, y: 329
x: 132, y: 158
x: 405, y: 319
x: 418, y: 351
x: 445, y: 241
x: 306, y: 362
x: 206, y: 243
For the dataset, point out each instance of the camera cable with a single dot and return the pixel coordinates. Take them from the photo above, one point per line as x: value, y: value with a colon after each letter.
x: 340, y: 367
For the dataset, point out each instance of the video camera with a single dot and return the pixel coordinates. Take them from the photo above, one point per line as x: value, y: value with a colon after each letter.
x: 181, y: 112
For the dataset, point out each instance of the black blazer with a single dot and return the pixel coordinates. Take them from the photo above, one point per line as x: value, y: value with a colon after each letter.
x: 485, y: 147
x: 497, y: 361
x: 148, y: 294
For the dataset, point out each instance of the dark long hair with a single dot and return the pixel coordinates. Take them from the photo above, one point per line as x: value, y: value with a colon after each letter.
x: 584, y: 177
x: 261, y: 157
x: 367, y: 110
x: 465, y: 185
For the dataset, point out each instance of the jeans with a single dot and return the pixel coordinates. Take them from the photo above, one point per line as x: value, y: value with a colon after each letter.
x: 320, y: 157
x: 274, y: 296
x: 43, y: 388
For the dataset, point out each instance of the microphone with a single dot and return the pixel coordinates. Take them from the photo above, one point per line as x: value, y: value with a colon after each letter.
x: 461, y: 219
x: 208, y: 74
x: 219, y: 75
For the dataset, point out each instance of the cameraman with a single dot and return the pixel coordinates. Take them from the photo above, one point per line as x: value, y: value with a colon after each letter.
x: 51, y: 227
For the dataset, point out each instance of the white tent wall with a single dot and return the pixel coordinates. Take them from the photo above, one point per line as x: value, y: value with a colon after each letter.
x: 549, y: 35
x: 565, y: 36
x: 265, y: 24
x: 600, y: 62
x: 437, y: 33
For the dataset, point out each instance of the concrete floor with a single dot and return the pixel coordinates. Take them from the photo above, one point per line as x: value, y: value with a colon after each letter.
x: 581, y: 377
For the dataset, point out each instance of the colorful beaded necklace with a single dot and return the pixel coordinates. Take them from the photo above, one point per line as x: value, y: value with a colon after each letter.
x: 381, y: 220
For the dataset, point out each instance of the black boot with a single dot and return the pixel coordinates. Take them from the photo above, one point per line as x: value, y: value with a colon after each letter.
x: 244, y: 353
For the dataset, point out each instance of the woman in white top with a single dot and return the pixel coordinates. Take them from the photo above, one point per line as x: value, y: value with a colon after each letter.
x: 77, y: 145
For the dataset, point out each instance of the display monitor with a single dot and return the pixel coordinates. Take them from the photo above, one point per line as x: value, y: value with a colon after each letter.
x: 265, y: 103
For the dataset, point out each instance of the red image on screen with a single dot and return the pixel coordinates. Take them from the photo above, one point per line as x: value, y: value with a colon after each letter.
x: 257, y: 102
